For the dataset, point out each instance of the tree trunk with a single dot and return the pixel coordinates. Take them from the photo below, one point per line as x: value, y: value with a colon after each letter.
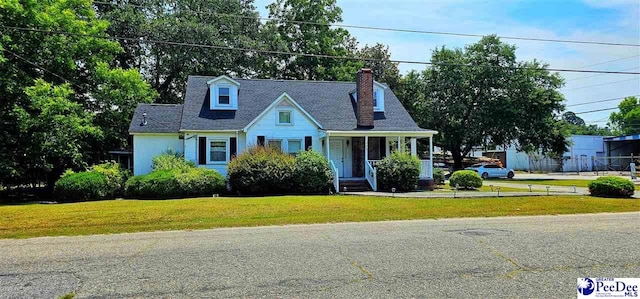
x: 457, y: 159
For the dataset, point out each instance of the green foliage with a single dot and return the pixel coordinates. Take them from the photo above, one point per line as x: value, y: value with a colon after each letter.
x: 575, y: 125
x: 261, y: 170
x: 63, y: 106
x: 465, y: 179
x: 627, y: 120
x: 400, y: 170
x: 383, y: 69
x: 482, y: 93
x: 438, y: 176
x: 281, y: 35
x: 156, y: 184
x: 312, y: 173
x: 171, y: 160
x: 81, y: 186
x: 200, y: 182
x: 115, y: 177
x: 610, y: 186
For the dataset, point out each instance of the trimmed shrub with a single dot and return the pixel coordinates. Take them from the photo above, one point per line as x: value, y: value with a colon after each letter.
x: 610, y: 186
x: 465, y: 179
x: 171, y: 160
x: 399, y: 170
x: 261, y: 170
x: 312, y: 173
x: 201, y: 182
x: 81, y: 186
x: 116, y: 177
x: 438, y: 176
x: 157, y: 184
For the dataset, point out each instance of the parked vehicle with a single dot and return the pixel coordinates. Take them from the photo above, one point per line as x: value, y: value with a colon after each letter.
x: 492, y: 171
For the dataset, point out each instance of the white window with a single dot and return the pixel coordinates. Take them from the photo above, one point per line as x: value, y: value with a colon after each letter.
x: 217, y: 151
x: 284, y: 117
x: 224, y: 96
x: 276, y: 143
x: 375, y: 99
x: 294, y: 146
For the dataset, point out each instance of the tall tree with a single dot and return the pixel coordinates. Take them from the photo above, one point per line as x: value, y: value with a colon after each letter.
x: 481, y: 95
x: 571, y: 118
x: 317, y: 38
x: 575, y: 125
x: 383, y: 69
x: 52, y: 88
x: 627, y: 120
x: 219, y: 23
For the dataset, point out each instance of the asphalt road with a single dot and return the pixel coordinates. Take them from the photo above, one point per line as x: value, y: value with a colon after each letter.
x: 459, y: 258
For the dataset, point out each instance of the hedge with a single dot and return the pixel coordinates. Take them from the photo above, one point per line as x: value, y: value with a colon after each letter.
x: 81, y: 186
x: 465, y: 179
x: 610, y: 186
x: 312, y: 173
x: 400, y: 170
x: 175, y: 183
x: 261, y: 170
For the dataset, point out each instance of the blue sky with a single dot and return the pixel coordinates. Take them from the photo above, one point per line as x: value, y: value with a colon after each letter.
x: 600, y: 20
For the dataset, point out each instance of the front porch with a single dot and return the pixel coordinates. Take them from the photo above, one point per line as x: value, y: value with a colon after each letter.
x: 355, y: 154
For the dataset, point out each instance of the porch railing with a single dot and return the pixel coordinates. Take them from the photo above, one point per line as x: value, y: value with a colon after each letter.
x: 336, y: 179
x: 425, y: 169
x: 370, y: 174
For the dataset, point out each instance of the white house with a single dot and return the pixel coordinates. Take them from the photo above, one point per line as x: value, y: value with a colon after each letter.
x: 353, y: 124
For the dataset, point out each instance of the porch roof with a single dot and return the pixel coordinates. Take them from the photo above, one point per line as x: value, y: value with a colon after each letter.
x: 371, y: 133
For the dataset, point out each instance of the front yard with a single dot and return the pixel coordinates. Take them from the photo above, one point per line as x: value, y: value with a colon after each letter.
x: 119, y: 216
x: 548, y: 182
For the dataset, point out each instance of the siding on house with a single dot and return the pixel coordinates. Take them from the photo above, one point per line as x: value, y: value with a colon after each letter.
x: 301, y: 127
x: 146, y: 146
x: 191, y: 147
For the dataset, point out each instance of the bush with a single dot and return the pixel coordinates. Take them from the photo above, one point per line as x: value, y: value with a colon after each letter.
x: 312, y: 173
x: 171, y: 160
x: 116, y: 177
x: 399, y: 170
x: 465, y: 179
x: 438, y: 176
x: 201, y: 182
x: 157, y: 184
x: 81, y: 186
x: 610, y: 186
x: 261, y: 170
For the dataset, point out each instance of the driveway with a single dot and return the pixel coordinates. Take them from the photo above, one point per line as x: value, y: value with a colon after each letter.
x: 537, y: 256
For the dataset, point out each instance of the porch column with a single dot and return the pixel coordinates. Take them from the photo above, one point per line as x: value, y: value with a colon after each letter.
x: 366, y: 149
x: 386, y: 147
x: 326, y: 146
x: 399, y: 144
x: 431, y: 155
x: 414, y: 147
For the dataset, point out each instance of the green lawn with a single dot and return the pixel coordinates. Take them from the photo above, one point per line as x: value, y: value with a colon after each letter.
x: 118, y: 216
x: 485, y: 188
x: 548, y: 182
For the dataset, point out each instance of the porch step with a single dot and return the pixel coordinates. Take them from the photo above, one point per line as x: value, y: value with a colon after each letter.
x: 355, y: 185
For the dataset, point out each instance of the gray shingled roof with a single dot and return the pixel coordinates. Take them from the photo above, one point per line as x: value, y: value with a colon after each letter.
x: 328, y: 102
x: 161, y: 118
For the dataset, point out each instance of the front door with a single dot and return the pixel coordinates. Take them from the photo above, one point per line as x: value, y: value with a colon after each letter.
x: 336, y: 154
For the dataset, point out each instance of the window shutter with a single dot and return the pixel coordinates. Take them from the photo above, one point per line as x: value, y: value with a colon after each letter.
x: 233, y: 147
x: 260, y: 140
x: 307, y: 143
x: 383, y: 147
x: 202, y: 150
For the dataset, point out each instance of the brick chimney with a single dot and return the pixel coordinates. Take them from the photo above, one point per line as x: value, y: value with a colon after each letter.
x: 364, y: 91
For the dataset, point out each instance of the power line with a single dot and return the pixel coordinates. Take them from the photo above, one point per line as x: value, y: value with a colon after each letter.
x: 597, y: 110
x: 38, y: 66
x: 587, y: 77
x: 355, y: 58
x: 609, y: 61
x: 607, y: 83
x: 342, y: 25
x: 600, y: 101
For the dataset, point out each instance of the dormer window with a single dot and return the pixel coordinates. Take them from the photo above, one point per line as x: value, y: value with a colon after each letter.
x: 223, y: 93
x: 378, y: 100
x: 223, y: 96
x: 284, y: 117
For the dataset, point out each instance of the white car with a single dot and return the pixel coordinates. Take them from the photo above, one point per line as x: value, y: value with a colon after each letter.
x: 492, y: 171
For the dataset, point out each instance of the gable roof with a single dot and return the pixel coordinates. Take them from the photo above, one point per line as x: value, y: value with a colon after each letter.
x: 161, y: 118
x: 328, y: 102
x: 283, y: 97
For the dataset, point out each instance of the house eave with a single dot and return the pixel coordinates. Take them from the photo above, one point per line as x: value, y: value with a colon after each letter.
x: 427, y: 133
